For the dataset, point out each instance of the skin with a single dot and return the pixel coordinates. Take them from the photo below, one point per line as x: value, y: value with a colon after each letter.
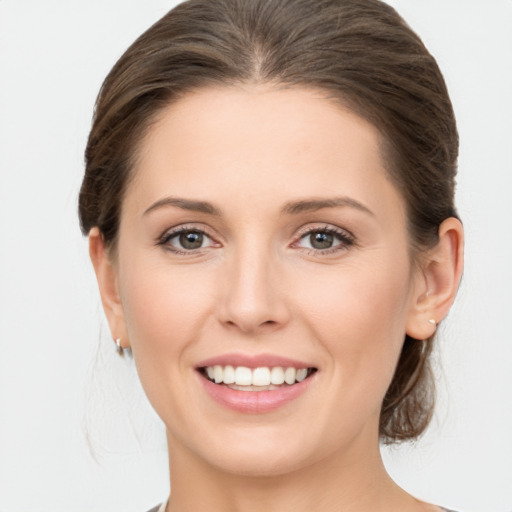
x: 257, y: 285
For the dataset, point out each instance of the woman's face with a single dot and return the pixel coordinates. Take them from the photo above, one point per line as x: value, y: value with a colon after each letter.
x: 262, y: 231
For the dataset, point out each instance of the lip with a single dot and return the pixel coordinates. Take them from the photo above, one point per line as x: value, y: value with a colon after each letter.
x: 255, y: 402
x: 254, y: 361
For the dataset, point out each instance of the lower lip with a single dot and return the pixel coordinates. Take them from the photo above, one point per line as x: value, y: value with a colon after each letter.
x: 255, y: 402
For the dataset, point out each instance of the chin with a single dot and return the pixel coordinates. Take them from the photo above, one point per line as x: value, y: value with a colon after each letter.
x: 262, y: 452
x: 260, y: 465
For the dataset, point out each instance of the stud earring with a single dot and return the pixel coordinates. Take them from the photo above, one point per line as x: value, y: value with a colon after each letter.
x: 432, y: 321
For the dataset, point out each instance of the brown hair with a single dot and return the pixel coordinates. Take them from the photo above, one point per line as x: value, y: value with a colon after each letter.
x: 359, y: 51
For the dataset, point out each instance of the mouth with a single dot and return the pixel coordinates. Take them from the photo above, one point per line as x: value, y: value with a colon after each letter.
x: 263, y: 378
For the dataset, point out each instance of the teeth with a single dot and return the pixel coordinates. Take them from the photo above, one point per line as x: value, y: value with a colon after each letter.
x: 243, y: 376
x: 261, y: 377
x: 301, y: 374
x: 229, y: 375
x: 218, y: 374
x: 277, y: 375
x: 289, y: 375
x: 253, y: 388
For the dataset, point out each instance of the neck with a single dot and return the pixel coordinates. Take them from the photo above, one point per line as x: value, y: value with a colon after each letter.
x: 354, y: 481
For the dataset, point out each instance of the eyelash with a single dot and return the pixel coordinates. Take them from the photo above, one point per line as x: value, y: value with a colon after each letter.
x: 166, y: 237
x: 345, y: 238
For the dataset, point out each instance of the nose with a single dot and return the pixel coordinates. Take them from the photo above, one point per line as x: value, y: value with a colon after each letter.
x: 253, y: 299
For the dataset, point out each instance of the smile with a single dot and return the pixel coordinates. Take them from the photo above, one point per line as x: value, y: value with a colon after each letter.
x: 255, y: 384
x: 263, y: 378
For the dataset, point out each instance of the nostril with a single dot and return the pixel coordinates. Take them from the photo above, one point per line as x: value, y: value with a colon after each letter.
x: 248, y: 325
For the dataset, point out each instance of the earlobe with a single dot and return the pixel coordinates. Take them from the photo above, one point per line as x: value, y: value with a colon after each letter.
x: 441, y: 274
x: 106, y: 276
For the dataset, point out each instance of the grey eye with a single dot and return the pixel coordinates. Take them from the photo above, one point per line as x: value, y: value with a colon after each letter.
x: 191, y: 239
x: 321, y: 240
x: 324, y: 240
x: 187, y: 240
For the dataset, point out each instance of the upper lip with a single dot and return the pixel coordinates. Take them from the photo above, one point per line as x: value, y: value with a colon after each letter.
x: 253, y: 361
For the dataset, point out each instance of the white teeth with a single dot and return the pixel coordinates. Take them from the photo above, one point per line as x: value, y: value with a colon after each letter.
x: 217, y: 374
x: 301, y: 374
x: 243, y: 376
x: 289, y: 375
x: 277, y: 375
x: 257, y: 378
x: 261, y: 377
x: 252, y: 388
x: 229, y: 375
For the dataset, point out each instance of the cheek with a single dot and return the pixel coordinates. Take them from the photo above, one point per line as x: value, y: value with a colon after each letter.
x: 165, y: 309
x: 359, y: 317
x: 163, y: 306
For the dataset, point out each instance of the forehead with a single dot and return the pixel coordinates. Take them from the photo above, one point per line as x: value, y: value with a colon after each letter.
x: 260, y: 144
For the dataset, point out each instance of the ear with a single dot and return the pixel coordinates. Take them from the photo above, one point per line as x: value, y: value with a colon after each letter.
x: 106, y: 275
x: 438, y: 282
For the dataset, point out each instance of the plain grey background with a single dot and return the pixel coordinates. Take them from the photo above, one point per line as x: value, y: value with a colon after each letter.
x: 54, y: 398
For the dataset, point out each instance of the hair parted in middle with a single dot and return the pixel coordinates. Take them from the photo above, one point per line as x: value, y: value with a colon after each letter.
x: 360, y: 52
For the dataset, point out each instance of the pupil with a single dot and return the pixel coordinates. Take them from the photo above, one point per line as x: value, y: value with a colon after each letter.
x: 191, y: 240
x: 321, y: 240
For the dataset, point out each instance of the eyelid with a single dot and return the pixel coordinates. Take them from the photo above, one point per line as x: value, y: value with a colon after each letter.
x: 311, y: 228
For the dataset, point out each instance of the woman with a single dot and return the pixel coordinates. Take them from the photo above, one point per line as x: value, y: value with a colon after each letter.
x: 269, y: 203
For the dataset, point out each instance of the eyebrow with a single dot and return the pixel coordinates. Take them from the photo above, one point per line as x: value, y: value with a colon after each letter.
x: 314, y: 204
x: 291, y: 208
x: 184, y: 204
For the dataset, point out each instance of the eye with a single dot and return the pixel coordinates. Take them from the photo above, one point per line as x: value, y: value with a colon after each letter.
x: 321, y: 240
x: 325, y: 240
x: 186, y: 240
x: 190, y: 239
